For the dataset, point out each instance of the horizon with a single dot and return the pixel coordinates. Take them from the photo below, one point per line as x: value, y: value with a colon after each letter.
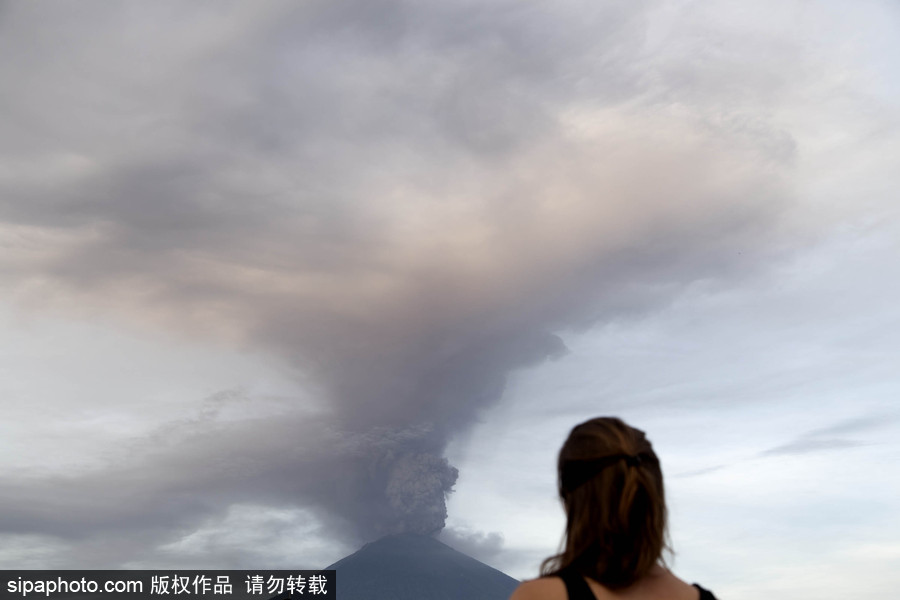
x: 277, y: 279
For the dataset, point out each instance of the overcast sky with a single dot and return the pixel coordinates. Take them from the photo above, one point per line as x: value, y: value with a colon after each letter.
x: 278, y: 278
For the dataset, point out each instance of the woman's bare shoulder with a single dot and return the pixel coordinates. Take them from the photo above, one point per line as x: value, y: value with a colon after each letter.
x: 544, y: 588
x: 669, y: 585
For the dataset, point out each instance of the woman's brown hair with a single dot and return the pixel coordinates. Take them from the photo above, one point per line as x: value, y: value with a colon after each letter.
x: 611, y: 485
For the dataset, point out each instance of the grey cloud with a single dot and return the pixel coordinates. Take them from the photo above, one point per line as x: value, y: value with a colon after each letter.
x: 368, y: 484
x: 855, y: 425
x: 826, y: 438
x: 699, y: 472
x: 406, y: 201
x: 807, y: 445
x: 484, y: 546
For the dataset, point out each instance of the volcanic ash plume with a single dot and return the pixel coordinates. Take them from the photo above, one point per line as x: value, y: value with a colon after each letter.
x: 387, y: 481
x: 416, y: 490
x: 404, y: 228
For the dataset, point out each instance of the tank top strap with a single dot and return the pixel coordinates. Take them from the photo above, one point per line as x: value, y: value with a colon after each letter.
x: 576, y: 587
x: 704, y: 593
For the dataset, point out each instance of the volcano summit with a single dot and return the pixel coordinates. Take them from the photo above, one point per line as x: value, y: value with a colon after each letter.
x: 408, y: 566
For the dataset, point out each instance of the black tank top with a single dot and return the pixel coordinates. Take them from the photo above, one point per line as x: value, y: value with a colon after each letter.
x: 578, y: 589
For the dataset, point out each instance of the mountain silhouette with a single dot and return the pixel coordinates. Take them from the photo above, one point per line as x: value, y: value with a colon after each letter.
x: 417, y: 567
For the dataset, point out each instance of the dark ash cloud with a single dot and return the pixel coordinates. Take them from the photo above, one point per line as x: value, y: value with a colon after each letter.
x: 405, y: 201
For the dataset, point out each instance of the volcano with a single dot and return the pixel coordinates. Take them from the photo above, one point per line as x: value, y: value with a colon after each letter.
x: 417, y: 567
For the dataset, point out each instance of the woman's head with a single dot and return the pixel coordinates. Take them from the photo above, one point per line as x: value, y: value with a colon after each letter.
x: 611, y: 485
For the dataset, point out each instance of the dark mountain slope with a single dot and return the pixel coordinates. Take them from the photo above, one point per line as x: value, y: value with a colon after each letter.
x: 417, y: 567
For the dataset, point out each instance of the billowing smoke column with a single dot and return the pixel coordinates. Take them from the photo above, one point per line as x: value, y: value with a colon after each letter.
x: 397, y: 404
x: 415, y: 491
x: 404, y: 208
x: 400, y: 483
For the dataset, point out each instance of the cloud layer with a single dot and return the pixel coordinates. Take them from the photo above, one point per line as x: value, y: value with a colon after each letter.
x: 404, y: 201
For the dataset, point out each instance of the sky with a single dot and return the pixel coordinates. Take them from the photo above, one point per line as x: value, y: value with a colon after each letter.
x: 278, y: 278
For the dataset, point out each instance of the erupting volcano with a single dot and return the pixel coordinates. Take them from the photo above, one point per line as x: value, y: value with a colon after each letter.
x: 409, y: 566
